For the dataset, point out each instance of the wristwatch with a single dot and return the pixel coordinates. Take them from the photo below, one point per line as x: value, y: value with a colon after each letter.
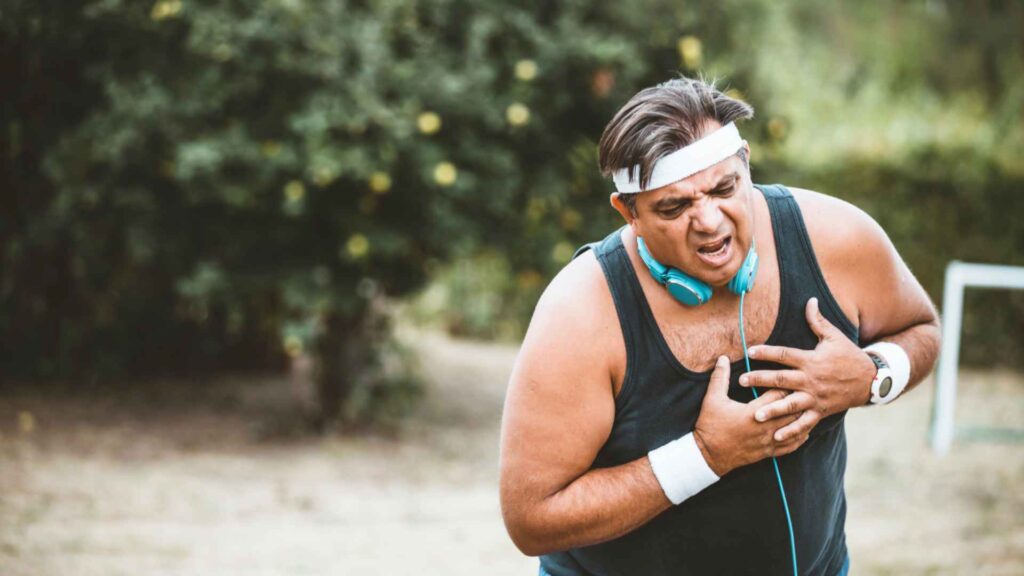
x: 881, y: 387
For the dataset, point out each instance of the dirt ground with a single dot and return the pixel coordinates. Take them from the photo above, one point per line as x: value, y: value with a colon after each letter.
x: 205, y: 478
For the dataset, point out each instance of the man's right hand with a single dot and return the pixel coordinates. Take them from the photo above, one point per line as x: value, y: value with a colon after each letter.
x: 727, y: 433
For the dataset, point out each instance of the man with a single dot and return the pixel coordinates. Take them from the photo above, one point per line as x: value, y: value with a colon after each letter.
x: 630, y: 444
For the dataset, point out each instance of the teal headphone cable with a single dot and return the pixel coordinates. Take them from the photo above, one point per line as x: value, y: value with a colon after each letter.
x: 775, y: 463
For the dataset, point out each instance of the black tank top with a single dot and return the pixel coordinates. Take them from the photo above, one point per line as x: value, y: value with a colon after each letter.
x: 737, y: 525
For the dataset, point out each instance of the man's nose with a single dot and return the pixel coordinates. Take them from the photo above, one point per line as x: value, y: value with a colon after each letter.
x: 707, y: 217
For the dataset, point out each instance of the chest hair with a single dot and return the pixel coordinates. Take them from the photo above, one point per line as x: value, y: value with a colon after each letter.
x: 697, y: 342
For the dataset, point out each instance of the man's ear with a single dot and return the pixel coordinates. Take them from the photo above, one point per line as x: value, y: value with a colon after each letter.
x: 621, y: 208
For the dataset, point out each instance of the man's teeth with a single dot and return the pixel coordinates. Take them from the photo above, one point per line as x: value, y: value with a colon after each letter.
x: 720, y: 249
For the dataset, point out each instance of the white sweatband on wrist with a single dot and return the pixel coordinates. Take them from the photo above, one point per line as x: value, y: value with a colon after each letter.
x: 681, y: 469
x: 898, y: 361
x: 688, y: 160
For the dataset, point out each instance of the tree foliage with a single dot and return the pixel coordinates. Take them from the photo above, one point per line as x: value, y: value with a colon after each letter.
x: 200, y: 185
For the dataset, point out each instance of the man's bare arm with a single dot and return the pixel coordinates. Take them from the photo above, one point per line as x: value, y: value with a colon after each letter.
x: 895, y: 307
x: 558, y: 413
x: 890, y: 303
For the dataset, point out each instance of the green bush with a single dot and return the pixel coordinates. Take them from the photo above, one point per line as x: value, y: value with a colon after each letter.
x: 206, y: 185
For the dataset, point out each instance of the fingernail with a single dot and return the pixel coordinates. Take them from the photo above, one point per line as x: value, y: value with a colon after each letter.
x: 778, y: 436
x: 743, y: 380
x: 752, y: 351
x: 722, y: 360
x: 760, y: 416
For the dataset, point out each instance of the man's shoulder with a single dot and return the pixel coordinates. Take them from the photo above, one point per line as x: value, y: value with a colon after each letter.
x: 837, y: 228
x: 851, y: 248
x: 575, y: 329
x: 577, y: 291
x: 825, y: 209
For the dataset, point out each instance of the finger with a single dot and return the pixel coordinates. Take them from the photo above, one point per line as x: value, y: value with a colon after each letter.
x: 767, y: 434
x: 785, y: 379
x: 790, y: 446
x: 773, y: 426
x: 719, y: 385
x: 820, y: 325
x: 794, y: 357
x: 767, y: 397
x: 795, y: 403
x: 801, y: 426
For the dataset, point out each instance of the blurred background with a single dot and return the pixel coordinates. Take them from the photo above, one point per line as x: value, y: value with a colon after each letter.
x: 264, y: 264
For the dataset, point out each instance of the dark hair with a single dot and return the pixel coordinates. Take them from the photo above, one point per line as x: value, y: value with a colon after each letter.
x: 662, y: 119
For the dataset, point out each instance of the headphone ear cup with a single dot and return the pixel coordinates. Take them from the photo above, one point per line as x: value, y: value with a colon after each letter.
x: 683, y: 288
x: 743, y: 282
x: 689, y: 291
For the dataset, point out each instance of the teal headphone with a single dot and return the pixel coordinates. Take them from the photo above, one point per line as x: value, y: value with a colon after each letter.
x: 689, y: 290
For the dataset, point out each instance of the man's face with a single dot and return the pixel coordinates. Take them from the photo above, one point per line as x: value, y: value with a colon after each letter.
x: 702, y: 225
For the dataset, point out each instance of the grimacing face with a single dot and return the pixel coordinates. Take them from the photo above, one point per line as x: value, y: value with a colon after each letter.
x: 702, y: 225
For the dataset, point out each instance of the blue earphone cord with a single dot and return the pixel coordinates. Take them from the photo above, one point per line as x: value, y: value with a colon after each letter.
x: 775, y: 463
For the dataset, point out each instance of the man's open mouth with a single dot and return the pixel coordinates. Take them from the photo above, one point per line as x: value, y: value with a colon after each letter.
x: 716, y: 253
x: 716, y: 248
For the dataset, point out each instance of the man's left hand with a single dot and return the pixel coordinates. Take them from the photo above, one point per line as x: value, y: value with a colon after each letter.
x: 836, y: 375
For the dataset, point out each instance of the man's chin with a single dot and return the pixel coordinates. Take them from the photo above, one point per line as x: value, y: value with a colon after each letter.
x: 718, y: 279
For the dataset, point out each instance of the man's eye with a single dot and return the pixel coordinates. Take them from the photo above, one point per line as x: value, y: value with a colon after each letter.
x: 725, y: 191
x: 672, y: 212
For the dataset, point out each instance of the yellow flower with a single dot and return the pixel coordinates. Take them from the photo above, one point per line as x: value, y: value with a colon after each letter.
x: 380, y: 182
x: 536, y: 208
x: 294, y: 191
x: 293, y: 345
x: 323, y: 176
x: 526, y: 70
x: 165, y: 9
x: 428, y: 122
x: 777, y: 128
x: 562, y: 252
x: 691, y: 51
x: 734, y: 94
x: 517, y: 114
x: 270, y: 148
x: 357, y: 246
x: 445, y: 173
x: 223, y: 52
x: 570, y: 219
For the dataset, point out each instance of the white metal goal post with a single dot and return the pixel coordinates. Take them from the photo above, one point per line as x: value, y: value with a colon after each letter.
x: 960, y: 275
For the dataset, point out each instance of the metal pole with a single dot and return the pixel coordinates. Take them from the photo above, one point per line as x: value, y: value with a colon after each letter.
x: 945, y: 394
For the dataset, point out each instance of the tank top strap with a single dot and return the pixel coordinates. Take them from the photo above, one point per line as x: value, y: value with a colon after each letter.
x: 800, y: 275
x: 630, y: 304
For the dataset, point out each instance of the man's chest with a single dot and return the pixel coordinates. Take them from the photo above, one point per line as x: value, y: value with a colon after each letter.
x: 697, y: 341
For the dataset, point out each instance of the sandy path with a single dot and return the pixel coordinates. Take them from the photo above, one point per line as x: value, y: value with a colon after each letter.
x: 178, y: 481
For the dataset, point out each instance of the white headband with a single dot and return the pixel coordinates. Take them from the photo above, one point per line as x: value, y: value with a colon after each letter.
x: 684, y: 162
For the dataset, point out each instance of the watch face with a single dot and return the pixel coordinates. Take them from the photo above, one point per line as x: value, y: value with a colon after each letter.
x: 885, y: 387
